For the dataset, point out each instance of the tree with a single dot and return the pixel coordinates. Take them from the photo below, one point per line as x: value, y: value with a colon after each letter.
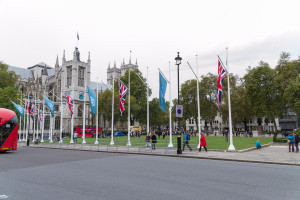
x: 8, y: 78
x: 262, y: 93
x: 157, y: 116
x: 208, y: 98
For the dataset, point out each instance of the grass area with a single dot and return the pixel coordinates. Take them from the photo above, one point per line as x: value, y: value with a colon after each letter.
x: 213, y: 142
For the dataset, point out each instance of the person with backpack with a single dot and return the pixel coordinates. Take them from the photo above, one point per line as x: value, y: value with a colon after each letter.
x: 290, y: 140
x: 148, y: 141
x: 186, y: 138
x: 154, y: 140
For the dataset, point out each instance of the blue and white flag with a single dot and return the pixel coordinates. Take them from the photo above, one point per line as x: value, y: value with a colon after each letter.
x: 162, y: 92
x: 19, y: 109
x: 93, y: 101
x: 50, y: 105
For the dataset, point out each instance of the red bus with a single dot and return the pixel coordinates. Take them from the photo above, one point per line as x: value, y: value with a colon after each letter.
x: 8, y: 130
x: 90, y: 130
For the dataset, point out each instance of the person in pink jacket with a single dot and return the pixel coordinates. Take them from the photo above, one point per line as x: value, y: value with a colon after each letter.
x: 202, y: 143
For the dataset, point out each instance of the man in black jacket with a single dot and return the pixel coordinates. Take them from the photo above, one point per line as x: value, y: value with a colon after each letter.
x: 296, y: 139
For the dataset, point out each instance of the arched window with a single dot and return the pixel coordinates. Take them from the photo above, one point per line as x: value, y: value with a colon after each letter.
x: 57, y: 123
x: 80, y: 110
x: 47, y: 122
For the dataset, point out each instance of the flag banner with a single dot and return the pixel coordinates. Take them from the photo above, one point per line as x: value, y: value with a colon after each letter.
x: 162, y: 92
x: 40, y: 116
x: 81, y: 96
x: 221, y: 76
x: 179, y: 110
x: 69, y: 102
x: 19, y: 109
x: 123, y: 92
x: 50, y: 105
x: 93, y: 100
x: 30, y: 109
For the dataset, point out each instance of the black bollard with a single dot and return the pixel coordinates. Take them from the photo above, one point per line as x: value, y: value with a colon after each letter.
x: 28, y: 142
x: 179, y: 151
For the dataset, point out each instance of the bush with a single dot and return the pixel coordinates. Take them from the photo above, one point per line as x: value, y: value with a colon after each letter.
x: 274, y: 137
x: 281, y: 140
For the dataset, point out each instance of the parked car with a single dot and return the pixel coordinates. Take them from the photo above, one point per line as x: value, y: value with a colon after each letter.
x: 117, y: 134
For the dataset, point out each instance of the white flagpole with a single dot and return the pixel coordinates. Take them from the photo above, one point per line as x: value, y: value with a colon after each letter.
x: 128, y: 143
x: 34, y: 123
x: 170, y: 110
x: 61, y: 113
x: 37, y: 123
x: 43, y: 123
x: 112, y: 113
x: 72, y: 117
x: 148, y: 124
x: 198, y: 102
x: 97, y: 142
x: 23, y: 138
x: 20, y: 127
x: 27, y: 119
x: 231, y: 146
x: 50, y: 135
x: 83, y: 132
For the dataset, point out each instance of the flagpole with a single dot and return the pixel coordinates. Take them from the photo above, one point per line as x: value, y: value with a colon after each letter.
x: 148, y: 124
x: 198, y: 102
x: 37, y: 123
x: 72, y: 116
x: 61, y: 113
x: 170, y: 111
x: 83, y: 132
x: 231, y: 146
x: 97, y: 142
x: 112, y: 113
x: 34, y: 123
x: 20, y: 127
x: 27, y: 129
x: 43, y: 123
x: 23, y: 138
x: 128, y: 143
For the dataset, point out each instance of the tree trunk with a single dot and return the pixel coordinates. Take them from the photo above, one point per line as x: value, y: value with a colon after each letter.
x: 275, y: 126
x: 211, y: 127
x: 245, y: 124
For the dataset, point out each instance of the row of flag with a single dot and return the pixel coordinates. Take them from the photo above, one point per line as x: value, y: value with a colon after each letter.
x: 122, y: 91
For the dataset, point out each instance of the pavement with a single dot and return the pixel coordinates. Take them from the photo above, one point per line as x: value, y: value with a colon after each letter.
x: 270, y: 154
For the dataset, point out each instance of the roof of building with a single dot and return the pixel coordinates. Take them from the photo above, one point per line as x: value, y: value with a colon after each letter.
x: 41, y: 64
x: 101, y: 86
x: 22, y: 72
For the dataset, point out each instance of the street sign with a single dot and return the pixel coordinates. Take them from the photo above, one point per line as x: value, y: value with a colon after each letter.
x: 179, y: 111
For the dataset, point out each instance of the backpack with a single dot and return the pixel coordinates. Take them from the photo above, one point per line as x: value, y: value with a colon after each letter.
x: 187, y: 137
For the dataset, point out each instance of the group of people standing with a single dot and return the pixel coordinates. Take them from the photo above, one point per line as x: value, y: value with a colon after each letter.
x: 152, y: 137
x: 293, y: 140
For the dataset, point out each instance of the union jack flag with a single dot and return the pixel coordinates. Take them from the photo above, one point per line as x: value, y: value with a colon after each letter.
x: 70, y: 102
x: 221, y: 76
x: 30, y: 108
x: 39, y: 114
x: 123, y: 92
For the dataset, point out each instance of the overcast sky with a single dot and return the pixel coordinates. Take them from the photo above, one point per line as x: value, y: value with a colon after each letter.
x: 38, y: 31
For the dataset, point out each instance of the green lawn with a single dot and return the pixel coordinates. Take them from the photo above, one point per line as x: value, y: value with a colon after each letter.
x: 212, y: 141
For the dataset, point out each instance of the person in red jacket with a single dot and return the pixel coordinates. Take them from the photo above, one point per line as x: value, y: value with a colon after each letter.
x: 202, y: 143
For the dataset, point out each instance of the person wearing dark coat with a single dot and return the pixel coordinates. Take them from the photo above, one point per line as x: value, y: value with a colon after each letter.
x: 296, y: 139
x: 202, y: 143
x: 154, y: 140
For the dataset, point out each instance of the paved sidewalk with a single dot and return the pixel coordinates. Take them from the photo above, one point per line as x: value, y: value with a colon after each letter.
x: 273, y: 154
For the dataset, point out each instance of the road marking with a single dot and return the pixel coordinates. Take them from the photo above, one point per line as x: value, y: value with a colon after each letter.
x: 3, y: 196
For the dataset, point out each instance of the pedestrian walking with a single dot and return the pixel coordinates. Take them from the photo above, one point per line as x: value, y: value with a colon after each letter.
x: 154, y: 140
x: 148, y: 140
x: 75, y: 136
x: 202, y: 143
x: 164, y: 134
x: 186, y: 138
x: 296, y: 140
x: 226, y: 135
x: 290, y: 140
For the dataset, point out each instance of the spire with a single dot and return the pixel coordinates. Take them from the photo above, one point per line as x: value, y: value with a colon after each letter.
x: 44, y: 71
x: 89, y: 58
x: 123, y: 62
x: 136, y: 62
x: 57, y: 63
x: 130, y: 58
x: 109, y: 65
x: 115, y: 64
x: 64, y: 58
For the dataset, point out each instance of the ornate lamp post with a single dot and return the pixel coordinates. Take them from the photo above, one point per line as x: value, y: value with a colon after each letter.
x: 178, y: 62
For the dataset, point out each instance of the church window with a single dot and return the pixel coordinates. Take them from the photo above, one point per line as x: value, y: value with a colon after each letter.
x: 57, y: 123
x: 81, y: 76
x: 47, y: 122
x: 69, y: 75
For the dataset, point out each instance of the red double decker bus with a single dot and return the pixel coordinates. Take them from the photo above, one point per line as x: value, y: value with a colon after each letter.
x: 90, y: 130
x: 8, y: 130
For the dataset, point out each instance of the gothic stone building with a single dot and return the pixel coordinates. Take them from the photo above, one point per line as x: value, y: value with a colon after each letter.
x: 42, y: 79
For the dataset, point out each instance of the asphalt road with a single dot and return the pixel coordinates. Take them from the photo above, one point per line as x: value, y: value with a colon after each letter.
x: 32, y: 173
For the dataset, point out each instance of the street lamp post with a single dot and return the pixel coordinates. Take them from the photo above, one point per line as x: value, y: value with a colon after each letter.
x: 30, y: 97
x: 178, y: 62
